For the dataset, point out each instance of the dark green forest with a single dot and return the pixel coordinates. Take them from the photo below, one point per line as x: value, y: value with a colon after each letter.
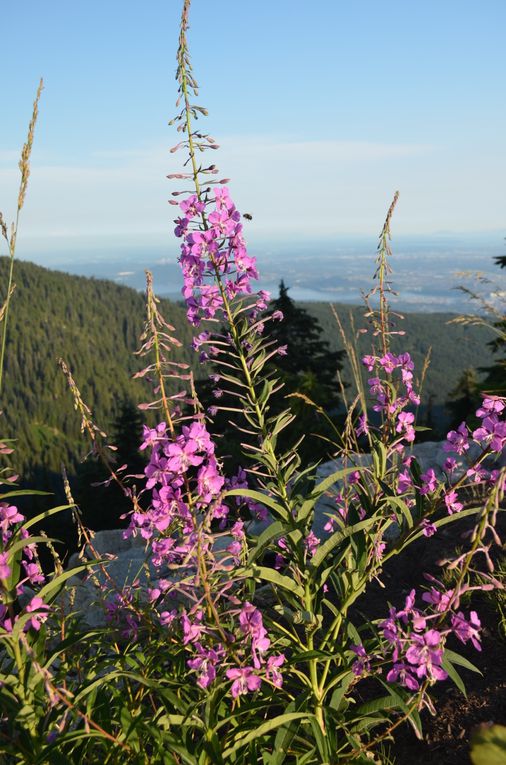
x: 455, y: 347
x: 95, y: 326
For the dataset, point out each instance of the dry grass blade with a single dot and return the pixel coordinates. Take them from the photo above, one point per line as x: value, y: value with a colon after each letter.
x: 3, y: 309
x: 24, y: 166
x: 24, y: 162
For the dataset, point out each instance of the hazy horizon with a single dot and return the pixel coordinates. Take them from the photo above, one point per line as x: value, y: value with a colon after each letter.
x: 426, y: 270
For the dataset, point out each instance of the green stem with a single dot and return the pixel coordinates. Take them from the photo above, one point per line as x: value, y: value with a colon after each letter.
x: 12, y: 252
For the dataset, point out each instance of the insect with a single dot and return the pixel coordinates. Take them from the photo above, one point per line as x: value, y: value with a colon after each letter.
x: 248, y: 216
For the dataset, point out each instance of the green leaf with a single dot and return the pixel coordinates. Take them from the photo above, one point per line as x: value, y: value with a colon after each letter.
x: 377, y: 705
x: 22, y: 543
x: 439, y: 523
x: 307, y: 655
x: 337, y: 537
x: 456, y: 658
x: 262, y: 499
x: 272, y: 531
x: 97, y: 683
x: 320, y: 488
x: 337, y: 697
x: 267, y: 727
x: 46, y: 514
x: 25, y: 493
x: 270, y: 575
x: 453, y: 674
x: 488, y: 745
x: 379, y: 456
x: 286, y: 733
x: 404, y: 509
x: 56, y: 584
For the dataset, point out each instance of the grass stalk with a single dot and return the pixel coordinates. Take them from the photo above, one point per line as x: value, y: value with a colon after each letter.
x: 24, y: 167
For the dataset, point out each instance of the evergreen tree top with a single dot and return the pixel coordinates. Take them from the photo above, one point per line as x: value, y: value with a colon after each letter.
x: 302, y: 334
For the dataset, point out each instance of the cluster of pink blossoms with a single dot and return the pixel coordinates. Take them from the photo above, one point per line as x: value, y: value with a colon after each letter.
x: 385, y: 401
x: 213, y: 245
x: 175, y: 465
x: 491, y: 435
x: 10, y: 530
x: 415, y: 648
x: 187, y: 487
x: 251, y: 645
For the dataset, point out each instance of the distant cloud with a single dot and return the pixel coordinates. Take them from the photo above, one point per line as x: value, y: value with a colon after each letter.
x: 293, y: 188
x: 9, y: 157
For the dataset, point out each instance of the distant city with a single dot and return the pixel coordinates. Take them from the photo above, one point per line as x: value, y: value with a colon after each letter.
x: 426, y: 275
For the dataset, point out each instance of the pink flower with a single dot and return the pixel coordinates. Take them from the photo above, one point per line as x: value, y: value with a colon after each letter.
x: 401, y: 673
x: 191, y: 206
x: 477, y: 474
x: 39, y: 611
x: 404, y: 425
x: 492, y: 433
x: 437, y: 598
x: 9, y: 516
x: 153, y: 436
x: 363, y: 662
x: 362, y: 427
x: 272, y: 670
x: 33, y: 572
x: 389, y: 362
x: 5, y: 570
x: 192, y: 631
x: 404, y: 482
x: 429, y: 482
x: 426, y: 654
x: 457, y: 440
x: 244, y: 681
x: 467, y: 630
x: 5, y: 620
x: 205, y: 664
x: 452, y: 503
x: 311, y: 543
x: 369, y: 362
x: 210, y: 482
x: 450, y: 464
x: 490, y: 405
x: 429, y: 529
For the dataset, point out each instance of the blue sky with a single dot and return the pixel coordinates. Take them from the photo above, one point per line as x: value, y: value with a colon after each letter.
x: 322, y: 109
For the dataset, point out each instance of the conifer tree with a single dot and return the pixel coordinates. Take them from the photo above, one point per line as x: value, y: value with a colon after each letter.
x: 495, y: 380
x: 465, y: 397
x: 102, y: 501
x: 307, y: 367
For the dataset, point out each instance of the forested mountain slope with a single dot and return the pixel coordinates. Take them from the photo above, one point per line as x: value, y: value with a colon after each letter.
x: 95, y: 326
x: 455, y: 347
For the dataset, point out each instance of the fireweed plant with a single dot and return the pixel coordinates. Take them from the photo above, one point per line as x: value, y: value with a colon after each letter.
x: 242, y: 640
